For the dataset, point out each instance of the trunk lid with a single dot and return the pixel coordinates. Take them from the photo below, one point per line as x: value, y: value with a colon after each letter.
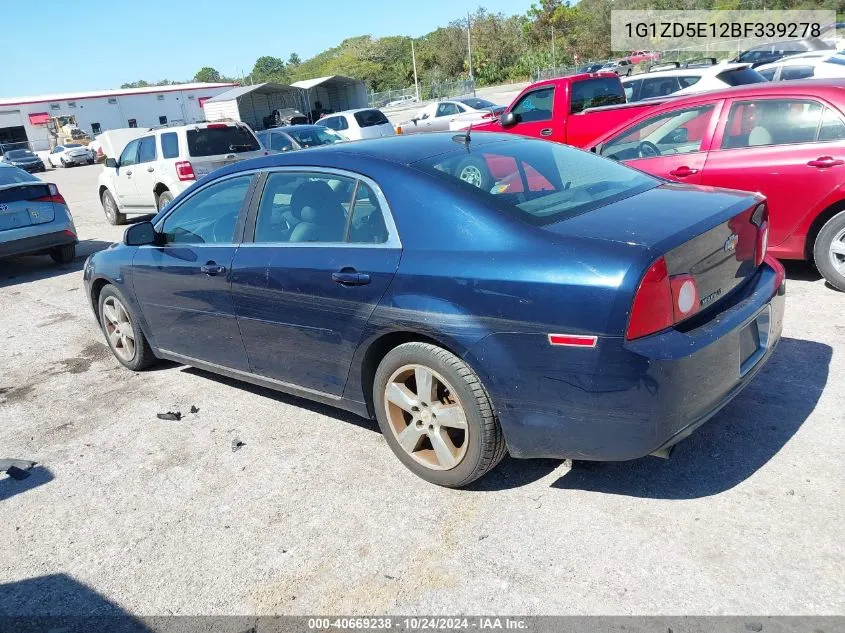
x: 20, y: 205
x: 702, y: 232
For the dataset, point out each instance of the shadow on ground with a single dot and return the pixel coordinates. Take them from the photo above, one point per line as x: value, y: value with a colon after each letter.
x: 9, y: 487
x: 60, y: 603
x: 27, y: 268
x: 800, y: 270
x: 732, y: 446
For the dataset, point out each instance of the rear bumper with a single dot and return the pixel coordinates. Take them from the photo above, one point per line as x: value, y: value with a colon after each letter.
x: 35, y: 244
x: 623, y: 400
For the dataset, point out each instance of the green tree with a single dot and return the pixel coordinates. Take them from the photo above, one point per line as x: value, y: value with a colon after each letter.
x: 269, y: 68
x: 207, y: 74
x: 294, y: 60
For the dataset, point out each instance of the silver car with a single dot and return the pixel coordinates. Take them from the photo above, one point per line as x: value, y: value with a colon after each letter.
x: 34, y: 218
x: 439, y: 116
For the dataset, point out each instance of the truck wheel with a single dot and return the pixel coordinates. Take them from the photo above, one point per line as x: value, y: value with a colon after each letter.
x: 64, y: 254
x: 474, y: 170
x: 164, y: 198
x: 113, y: 214
x: 436, y: 415
x: 829, y: 251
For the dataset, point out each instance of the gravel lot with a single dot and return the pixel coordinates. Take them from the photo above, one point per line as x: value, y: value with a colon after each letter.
x: 315, y: 515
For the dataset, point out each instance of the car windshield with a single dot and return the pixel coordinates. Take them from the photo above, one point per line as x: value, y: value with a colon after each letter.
x: 315, y: 136
x: 478, y: 104
x: 223, y: 139
x: 14, y: 176
x: 538, y: 182
x: 20, y: 153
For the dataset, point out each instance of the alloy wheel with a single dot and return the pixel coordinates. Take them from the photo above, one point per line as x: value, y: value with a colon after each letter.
x: 837, y: 252
x: 109, y: 207
x: 119, y: 329
x: 426, y: 417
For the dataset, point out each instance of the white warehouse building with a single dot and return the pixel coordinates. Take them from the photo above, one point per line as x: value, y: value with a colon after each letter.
x: 24, y: 119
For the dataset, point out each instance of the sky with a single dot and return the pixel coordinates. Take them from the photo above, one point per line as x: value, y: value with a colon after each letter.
x: 110, y: 42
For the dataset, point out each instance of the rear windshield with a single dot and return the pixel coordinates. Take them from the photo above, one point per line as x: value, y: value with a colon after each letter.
x: 19, y: 153
x: 368, y: 118
x: 478, y: 104
x: 741, y: 76
x: 315, y: 136
x: 538, y: 182
x: 73, y: 145
x: 212, y: 141
x: 13, y: 176
x: 592, y: 93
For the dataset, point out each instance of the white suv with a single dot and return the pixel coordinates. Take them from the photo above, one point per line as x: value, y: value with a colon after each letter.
x: 156, y: 167
x: 676, y: 80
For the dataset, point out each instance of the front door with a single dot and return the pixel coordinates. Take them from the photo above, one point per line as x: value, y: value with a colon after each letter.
x: 125, y: 190
x: 324, y: 253
x: 534, y: 113
x: 145, y: 173
x: 792, y: 150
x: 671, y: 144
x: 183, y: 287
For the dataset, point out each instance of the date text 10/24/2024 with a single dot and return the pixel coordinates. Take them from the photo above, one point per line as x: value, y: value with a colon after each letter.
x: 418, y: 624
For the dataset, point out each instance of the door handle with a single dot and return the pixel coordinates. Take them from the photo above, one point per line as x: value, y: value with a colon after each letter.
x: 350, y: 278
x: 211, y: 269
x: 546, y: 131
x: 128, y: 172
x: 826, y: 161
x: 683, y: 172
x: 151, y: 169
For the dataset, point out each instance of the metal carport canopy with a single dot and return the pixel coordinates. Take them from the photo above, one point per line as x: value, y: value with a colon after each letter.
x: 259, y: 100
x: 335, y: 91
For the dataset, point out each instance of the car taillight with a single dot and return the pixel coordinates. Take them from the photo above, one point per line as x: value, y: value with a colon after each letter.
x: 216, y: 126
x: 760, y: 219
x: 185, y: 171
x: 54, y: 196
x: 661, y: 301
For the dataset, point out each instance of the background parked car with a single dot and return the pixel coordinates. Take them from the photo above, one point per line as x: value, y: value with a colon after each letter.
x: 767, y: 53
x: 70, y: 154
x: 643, y: 56
x: 95, y: 147
x: 156, y: 167
x: 785, y: 140
x: 293, y: 137
x: 358, y: 124
x: 450, y: 114
x: 690, y: 78
x: 621, y: 67
x: 815, y: 64
x: 23, y: 159
x: 34, y: 217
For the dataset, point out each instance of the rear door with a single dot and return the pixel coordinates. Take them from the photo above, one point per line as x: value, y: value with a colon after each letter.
x: 216, y: 145
x: 183, y: 287
x: 789, y: 149
x: 672, y: 144
x: 324, y: 251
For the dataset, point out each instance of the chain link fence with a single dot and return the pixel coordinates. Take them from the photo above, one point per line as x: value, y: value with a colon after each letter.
x: 429, y: 92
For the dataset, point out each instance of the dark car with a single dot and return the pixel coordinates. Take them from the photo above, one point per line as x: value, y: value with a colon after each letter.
x: 767, y: 53
x: 568, y: 309
x: 23, y: 159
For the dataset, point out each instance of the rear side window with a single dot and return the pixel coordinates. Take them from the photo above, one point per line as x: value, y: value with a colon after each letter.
x: 833, y: 129
x: 772, y: 122
x: 796, y: 72
x: 369, y: 118
x: 593, y: 93
x: 688, y: 81
x: 226, y: 139
x: 768, y: 74
x: 335, y: 123
x: 741, y: 76
x: 147, y: 149
x: 170, y: 145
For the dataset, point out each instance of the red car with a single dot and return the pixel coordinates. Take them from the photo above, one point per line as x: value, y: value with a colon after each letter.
x: 643, y: 56
x: 785, y: 140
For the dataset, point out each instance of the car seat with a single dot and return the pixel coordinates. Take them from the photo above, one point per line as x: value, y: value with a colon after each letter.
x: 321, y: 217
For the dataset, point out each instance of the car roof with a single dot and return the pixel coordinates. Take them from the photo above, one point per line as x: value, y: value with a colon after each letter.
x: 303, y: 127
x: 350, y: 111
x: 715, y: 69
x: 802, y: 59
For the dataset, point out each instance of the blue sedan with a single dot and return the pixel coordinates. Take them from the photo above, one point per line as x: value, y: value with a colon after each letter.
x: 476, y: 296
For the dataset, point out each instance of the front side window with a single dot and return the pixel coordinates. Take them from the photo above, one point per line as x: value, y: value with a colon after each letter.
x: 129, y: 155
x: 536, y: 181
x: 170, y: 145
x: 796, y: 72
x: 594, y: 93
x: 147, y: 149
x: 669, y: 133
x: 772, y: 122
x: 209, y: 216
x: 447, y: 109
x: 535, y: 106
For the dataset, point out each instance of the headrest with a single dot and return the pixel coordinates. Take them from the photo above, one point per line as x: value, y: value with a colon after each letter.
x: 313, y: 193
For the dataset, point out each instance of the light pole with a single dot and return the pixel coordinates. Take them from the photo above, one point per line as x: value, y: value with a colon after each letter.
x: 469, y: 44
x: 554, y: 65
x: 414, y: 60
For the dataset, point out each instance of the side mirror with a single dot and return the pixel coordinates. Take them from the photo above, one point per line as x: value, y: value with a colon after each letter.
x: 111, y: 163
x: 140, y: 234
x: 508, y: 119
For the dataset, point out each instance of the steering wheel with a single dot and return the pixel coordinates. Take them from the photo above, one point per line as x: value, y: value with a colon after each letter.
x: 647, y: 149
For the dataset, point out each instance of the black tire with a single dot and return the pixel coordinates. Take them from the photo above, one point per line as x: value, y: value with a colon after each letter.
x: 63, y: 254
x: 474, y: 171
x: 822, y: 254
x: 485, y: 441
x: 110, y: 208
x: 62, y: 161
x: 143, y: 356
x: 163, y: 199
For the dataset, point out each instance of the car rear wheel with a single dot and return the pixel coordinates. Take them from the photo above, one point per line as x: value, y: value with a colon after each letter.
x: 125, y: 339
x: 474, y: 170
x: 436, y: 415
x: 164, y: 198
x: 829, y: 251
x: 64, y: 254
x: 113, y: 215
x: 62, y: 161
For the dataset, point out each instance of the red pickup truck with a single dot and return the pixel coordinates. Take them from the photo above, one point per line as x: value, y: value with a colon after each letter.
x: 574, y: 110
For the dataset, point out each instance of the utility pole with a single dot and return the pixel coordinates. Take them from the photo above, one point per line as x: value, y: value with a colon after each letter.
x: 469, y: 43
x: 554, y: 65
x: 414, y: 59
